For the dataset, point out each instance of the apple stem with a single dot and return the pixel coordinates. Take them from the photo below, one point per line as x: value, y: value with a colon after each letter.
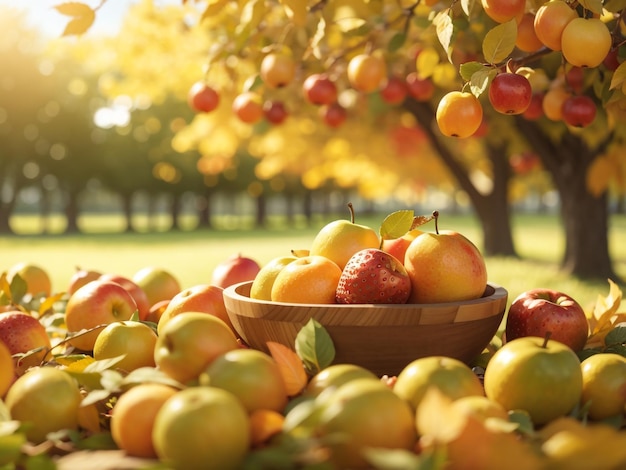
x: 546, y: 338
x: 351, y: 209
x: 436, y: 217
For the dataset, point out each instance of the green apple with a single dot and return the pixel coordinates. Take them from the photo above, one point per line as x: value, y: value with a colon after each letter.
x: 261, y: 288
x: 189, y: 342
x: 540, y: 376
x: 340, y: 239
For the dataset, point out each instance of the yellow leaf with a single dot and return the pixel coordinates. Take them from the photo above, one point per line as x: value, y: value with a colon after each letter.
x: 426, y: 62
x: 599, y: 175
x: 499, y: 42
x: 75, y: 364
x: 291, y: 367
x: 213, y: 7
x: 607, y: 306
x: 296, y: 11
x: 49, y: 302
x: 438, y: 419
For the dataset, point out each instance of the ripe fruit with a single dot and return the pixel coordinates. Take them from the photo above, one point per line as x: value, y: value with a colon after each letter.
x: 340, y: 239
x: 542, y: 377
x: 22, y: 333
x: 202, y: 428
x: 373, y: 276
x: 604, y: 385
x: 136, y: 292
x: 190, y: 342
x: 157, y: 283
x: 310, y: 280
x: 132, y: 418
x: 366, y: 413
x: 333, y: 115
x: 95, y: 304
x: 201, y: 97
x: 37, y: 279
x: 248, y: 107
x: 45, y: 398
x: 234, y: 270
x: 7, y: 369
x: 275, y: 112
x: 586, y: 42
x: 502, y: 11
x: 510, y: 93
x: 459, y: 114
x: 277, y: 70
x: 319, y: 89
x: 550, y: 20
x: 527, y: 39
x: 366, y: 73
x: 133, y: 339
x: 204, y: 298
x: 80, y: 278
x: 397, y: 246
x: 553, y: 102
x: 444, y: 267
x: 422, y: 89
x: 539, y: 311
x: 335, y: 376
x: 535, y: 108
x: 252, y: 376
x: 261, y: 288
x: 452, y: 377
x: 579, y: 110
x: 394, y: 91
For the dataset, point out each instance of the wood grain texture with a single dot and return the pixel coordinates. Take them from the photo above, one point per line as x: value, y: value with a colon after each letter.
x: 382, y: 338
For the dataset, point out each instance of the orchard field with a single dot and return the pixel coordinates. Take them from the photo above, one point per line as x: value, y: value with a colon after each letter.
x: 192, y: 255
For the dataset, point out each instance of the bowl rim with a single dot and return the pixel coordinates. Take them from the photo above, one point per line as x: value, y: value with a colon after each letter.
x: 498, y: 293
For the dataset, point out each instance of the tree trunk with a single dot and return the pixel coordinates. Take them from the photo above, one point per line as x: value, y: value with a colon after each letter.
x: 307, y: 206
x: 71, y: 212
x: 127, y: 207
x: 175, y: 211
x: 261, y: 211
x: 492, y: 209
x: 584, y: 216
x: 204, y: 210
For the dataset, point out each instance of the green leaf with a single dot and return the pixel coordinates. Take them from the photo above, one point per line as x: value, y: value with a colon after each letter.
x: 11, y: 448
x: 616, y: 336
x: 149, y: 375
x: 396, y: 224
x: 315, y: 346
x: 499, y: 42
x: 396, y: 42
x: 95, y: 396
x: 100, y: 441
x: 594, y: 6
x: 618, y: 76
x: 18, y: 287
x: 40, y: 462
x: 481, y: 79
x: 523, y: 419
x: 104, y: 364
x: 470, y: 68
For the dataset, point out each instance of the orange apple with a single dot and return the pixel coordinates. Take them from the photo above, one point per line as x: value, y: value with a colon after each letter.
x: 22, y: 333
x: 80, y: 278
x: 97, y: 303
x: 311, y: 280
x: 444, y: 267
x: 137, y: 293
x: 204, y: 298
x: 397, y: 246
x: 234, y: 270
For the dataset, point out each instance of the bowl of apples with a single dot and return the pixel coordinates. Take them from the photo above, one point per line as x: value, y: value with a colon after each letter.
x: 379, y: 312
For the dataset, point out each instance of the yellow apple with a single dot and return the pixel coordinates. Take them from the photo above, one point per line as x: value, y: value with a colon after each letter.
x: 261, y: 288
x: 134, y: 339
x: 97, y: 303
x: 7, y: 369
x: 158, y: 284
x: 190, y: 342
x: 47, y: 399
x: 444, y: 267
x: 37, y: 279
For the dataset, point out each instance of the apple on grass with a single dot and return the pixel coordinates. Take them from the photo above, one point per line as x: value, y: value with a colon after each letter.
x: 97, y: 303
x: 373, y: 276
x: 537, y: 312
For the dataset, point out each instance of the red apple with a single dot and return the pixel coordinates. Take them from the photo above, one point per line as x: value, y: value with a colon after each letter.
x: 97, y: 303
x: 80, y: 278
x: 333, y: 115
x: 275, y: 112
x: 202, y: 98
x: 579, y: 110
x: 539, y: 311
x: 535, y: 108
x: 319, y: 89
x: 510, y: 93
x: 22, y: 333
x: 422, y: 89
x: 234, y: 270
x: 373, y: 276
x: 394, y: 91
x: 138, y: 294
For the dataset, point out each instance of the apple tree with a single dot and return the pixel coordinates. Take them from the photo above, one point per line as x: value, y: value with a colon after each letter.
x: 502, y: 76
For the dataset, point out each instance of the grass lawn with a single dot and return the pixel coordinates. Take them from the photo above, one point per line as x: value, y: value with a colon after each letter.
x: 191, y: 255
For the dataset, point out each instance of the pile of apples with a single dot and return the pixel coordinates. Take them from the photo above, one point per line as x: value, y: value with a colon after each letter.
x: 350, y: 263
x: 156, y: 372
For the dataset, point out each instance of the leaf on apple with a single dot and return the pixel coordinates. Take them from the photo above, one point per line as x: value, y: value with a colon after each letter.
x: 48, y: 303
x: 291, y: 367
x: 315, y: 347
x: 396, y: 224
x: 149, y: 375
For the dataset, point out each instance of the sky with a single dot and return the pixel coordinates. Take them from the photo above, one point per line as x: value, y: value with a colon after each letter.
x: 42, y: 15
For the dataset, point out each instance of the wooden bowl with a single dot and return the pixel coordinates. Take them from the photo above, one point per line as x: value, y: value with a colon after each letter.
x: 382, y: 338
